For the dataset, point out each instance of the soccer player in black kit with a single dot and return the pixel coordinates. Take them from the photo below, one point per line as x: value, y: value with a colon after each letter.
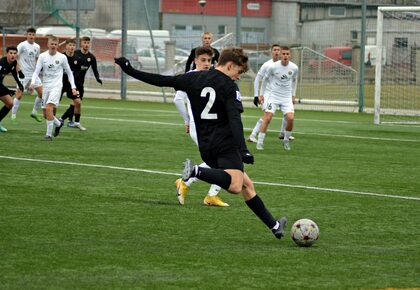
x: 8, y: 65
x: 83, y: 60
x: 216, y: 105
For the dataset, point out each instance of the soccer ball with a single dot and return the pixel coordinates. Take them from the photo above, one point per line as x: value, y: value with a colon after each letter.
x: 304, y: 232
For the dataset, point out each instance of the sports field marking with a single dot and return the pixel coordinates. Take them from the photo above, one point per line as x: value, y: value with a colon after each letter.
x: 177, y: 174
x: 250, y: 129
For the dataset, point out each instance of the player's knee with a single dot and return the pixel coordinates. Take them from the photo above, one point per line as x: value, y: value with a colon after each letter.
x: 235, y: 187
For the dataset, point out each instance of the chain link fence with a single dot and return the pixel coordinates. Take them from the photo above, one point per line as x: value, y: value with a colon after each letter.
x: 325, y: 37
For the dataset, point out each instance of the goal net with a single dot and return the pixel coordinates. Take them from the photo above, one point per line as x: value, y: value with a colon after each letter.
x: 397, y: 75
x: 326, y: 83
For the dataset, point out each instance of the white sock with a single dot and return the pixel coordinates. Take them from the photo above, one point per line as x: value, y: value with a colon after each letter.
x: 56, y: 121
x: 257, y: 127
x: 50, y: 125
x: 287, y: 135
x: 190, y: 181
x: 261, y: 137
x: 16, y: 103
x: 283, y: 125
x: 204, y: 165
x: 214, y: 190
x: 37, y: 105
x: 276, y: 226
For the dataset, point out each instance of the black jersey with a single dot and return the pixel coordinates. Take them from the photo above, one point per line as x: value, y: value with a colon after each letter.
x: 191, y: 57
x: 83, y: 63
x: 73, y: 63
x: 6, y: 68
x: 215, y: 102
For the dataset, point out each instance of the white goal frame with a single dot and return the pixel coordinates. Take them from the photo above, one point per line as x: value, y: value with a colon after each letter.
x: 379, y: 50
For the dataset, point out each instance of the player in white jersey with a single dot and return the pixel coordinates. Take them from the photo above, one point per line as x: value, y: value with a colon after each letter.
x: 28, y: 52
x: 279, y: 86
x: 202, y: 61
x: 52, y: 63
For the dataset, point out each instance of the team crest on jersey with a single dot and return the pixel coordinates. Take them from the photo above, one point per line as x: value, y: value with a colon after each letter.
x: 75, y: 62
x: 57, y: 61
x: 289, y: 72
x: 88, y: 59
x: 238, y: 96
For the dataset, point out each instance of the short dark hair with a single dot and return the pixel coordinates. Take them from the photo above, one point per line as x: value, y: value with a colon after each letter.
x: 275, y: 45
x: 70, y: 40
x: 9, y: 48
x: 284, y: 47
x: 235, y: 55
x: 203, y: 50
x: 31, y: 29
x: 85, y: 38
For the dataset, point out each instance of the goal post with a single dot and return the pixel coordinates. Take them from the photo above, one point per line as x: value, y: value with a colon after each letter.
x: 397, y: 71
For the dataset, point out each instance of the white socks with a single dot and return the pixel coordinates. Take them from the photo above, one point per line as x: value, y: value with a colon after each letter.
x: 16, y: 103
x: 50, y: 125
x: 37, y: 105
x: 257, y: 127
x: 261, y: 137
x: 214, y: 190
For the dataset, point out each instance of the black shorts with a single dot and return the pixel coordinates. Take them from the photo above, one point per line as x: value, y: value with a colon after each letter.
x: 67, y: 89
x: 5, y: 91
x: 223, y: 157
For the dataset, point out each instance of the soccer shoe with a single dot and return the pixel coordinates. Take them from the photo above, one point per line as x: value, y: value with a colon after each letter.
x: 181, y: 190
x: 286, y: 145
x: 47, y: 138
x: 291, y: 138
x: 57, y: 128
x: 81, y: 128
x: 71, y: 124
x: 214, y: 201
x: 279, y: 233
x: 252, y: 139
x: 260, y: 146
x: 2, y: 129
x: 36, y: 117
x: 188, y: 171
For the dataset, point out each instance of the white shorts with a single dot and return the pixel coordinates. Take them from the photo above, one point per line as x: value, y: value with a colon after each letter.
x: 51, y: 96
x: 286, y: 106
x: 27, y: 81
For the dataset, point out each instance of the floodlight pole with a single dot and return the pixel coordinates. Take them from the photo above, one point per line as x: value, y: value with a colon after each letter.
x: 362, y: 59
x: 33, y: 14
x: 238, y: 22
x: 77, y: 24
x: 123, y: 47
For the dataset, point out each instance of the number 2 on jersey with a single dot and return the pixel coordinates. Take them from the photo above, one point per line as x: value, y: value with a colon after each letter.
x: 205, y: 115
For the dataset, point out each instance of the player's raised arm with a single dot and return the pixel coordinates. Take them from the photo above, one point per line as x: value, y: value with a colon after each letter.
x: 150, y: 78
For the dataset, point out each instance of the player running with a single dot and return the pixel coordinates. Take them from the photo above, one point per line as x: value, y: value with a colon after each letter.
x: 8, y: 65
x: 28, y: 52
x: 52, y: 63
x: 85, y: 59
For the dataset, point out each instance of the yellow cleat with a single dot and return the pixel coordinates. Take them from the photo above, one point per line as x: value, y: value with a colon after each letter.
x: 181, y: 190
x: 214, y: 201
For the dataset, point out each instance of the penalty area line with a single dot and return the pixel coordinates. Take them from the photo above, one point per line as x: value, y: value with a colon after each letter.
x: 177, y: 174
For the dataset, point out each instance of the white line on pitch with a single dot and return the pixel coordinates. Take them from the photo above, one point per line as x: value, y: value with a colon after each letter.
x: 249, y: 129
x: 177, y: 174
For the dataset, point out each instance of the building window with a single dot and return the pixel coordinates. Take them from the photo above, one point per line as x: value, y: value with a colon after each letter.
x: 221, y: 29
x: 337, y: 11
x: 400, y: 42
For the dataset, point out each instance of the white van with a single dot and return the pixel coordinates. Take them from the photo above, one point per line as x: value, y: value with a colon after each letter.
x: 56, y: 31
x: 141, y: 38
x: 70, y: 32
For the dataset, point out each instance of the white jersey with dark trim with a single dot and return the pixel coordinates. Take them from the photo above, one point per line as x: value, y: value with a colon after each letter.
x: 281, y: 81
x: 28, y: 54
